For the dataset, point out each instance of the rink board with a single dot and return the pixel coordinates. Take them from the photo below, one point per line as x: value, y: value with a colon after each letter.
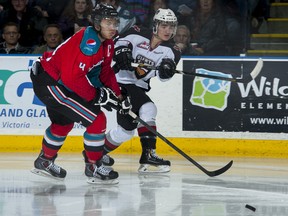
x: 23, y: 119
x: 191, y: 146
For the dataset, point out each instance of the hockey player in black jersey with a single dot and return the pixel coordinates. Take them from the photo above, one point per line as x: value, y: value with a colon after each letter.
x: 151, y: 47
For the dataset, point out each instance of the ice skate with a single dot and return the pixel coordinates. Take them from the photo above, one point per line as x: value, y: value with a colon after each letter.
x: 151, y: 163
x: 47, y: 168
x: 107, y: 160
x: 98, y: 173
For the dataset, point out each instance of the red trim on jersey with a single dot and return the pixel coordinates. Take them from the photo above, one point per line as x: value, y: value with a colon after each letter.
x: 142, y: 130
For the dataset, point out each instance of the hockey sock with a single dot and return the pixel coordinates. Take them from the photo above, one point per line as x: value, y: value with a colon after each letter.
x: 110, y: 145
x: 51, y: 143
x: 93, y: 145
x: 148, y: 139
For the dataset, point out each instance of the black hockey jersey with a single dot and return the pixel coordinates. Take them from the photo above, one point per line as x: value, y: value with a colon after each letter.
x: 138, y: 40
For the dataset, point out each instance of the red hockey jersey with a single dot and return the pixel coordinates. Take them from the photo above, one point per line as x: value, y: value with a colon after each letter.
x: 82, y: 63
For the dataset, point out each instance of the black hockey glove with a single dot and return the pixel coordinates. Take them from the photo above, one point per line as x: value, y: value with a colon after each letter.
x: 167, y: 68
x: 107, y: 98
x: 123, y: 58
x: 125, y: 106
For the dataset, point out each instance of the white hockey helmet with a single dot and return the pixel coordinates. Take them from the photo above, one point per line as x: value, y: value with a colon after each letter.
x: 164, y: 16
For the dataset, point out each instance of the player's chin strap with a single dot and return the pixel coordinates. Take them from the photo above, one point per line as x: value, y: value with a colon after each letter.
x: 254, y: 73
x: 209, y: 173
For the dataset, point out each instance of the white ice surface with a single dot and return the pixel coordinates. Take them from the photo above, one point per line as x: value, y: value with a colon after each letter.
x: 262, y: 183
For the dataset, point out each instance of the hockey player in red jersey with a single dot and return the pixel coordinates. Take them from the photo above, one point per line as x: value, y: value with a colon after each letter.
x: 74, y: 82
x: 154, y: 48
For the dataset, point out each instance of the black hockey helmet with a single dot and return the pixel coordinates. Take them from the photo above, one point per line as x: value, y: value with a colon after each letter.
x: 103, y: 11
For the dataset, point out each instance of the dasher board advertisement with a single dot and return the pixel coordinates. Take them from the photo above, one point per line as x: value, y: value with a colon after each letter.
x: 21, y: 112
x: 260, y: 105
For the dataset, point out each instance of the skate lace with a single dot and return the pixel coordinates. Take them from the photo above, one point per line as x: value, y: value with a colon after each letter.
x: 93, y: 168
x: 154, y: 155
x: 54, y: 168
x: 103, y: 170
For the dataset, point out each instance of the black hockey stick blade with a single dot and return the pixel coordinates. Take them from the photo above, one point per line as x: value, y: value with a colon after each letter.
x: 254, y: 73
x: 207, y: 172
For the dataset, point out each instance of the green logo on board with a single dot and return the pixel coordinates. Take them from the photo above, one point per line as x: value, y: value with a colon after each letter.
x: 210, y: 93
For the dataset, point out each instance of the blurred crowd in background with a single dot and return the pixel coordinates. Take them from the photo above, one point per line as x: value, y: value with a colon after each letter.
x: 205, y: 27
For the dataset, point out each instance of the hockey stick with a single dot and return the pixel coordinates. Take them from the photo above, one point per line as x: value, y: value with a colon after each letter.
x: 209, y: 173
x: 254, y: 73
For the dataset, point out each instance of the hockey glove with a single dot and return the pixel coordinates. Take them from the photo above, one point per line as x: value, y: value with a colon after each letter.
x: 167, y: 68
x: 123, y: 58
x: 36, y: 67
x: 106, y: 97
x: 125, y: 106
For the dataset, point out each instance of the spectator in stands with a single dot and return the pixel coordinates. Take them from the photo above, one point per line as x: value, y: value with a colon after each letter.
x: 235, y: 27
x: 251, y: 5
x: 260, y: 12
x: 254, y: 14
x: 178, y: 5
x: 155, y: 5
x: 140, y: 8
x: 4, y: 4
x: 75, y: 16
x: 52, y: 35
x: 11, y: 37
x: 51, y: 9
x: 94, y: 2
x: 208, y: 29
x: 182, y: 40
x: 126, y: 18
x: 182, y: 8
x: 27, y: 19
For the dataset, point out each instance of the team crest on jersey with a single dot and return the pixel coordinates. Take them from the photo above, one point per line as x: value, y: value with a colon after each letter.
x: 144, y: 60
x: 91, y: 42
x: 142, y: 72
x: 144, y: 45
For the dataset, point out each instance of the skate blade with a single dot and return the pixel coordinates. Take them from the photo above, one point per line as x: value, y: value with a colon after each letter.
x: 147, y: 168
x: 97, y: 181
x: 45, y: 174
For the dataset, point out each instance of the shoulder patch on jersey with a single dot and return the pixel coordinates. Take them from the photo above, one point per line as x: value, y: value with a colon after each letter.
x: 144, y: 45
x: 90, y: 42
